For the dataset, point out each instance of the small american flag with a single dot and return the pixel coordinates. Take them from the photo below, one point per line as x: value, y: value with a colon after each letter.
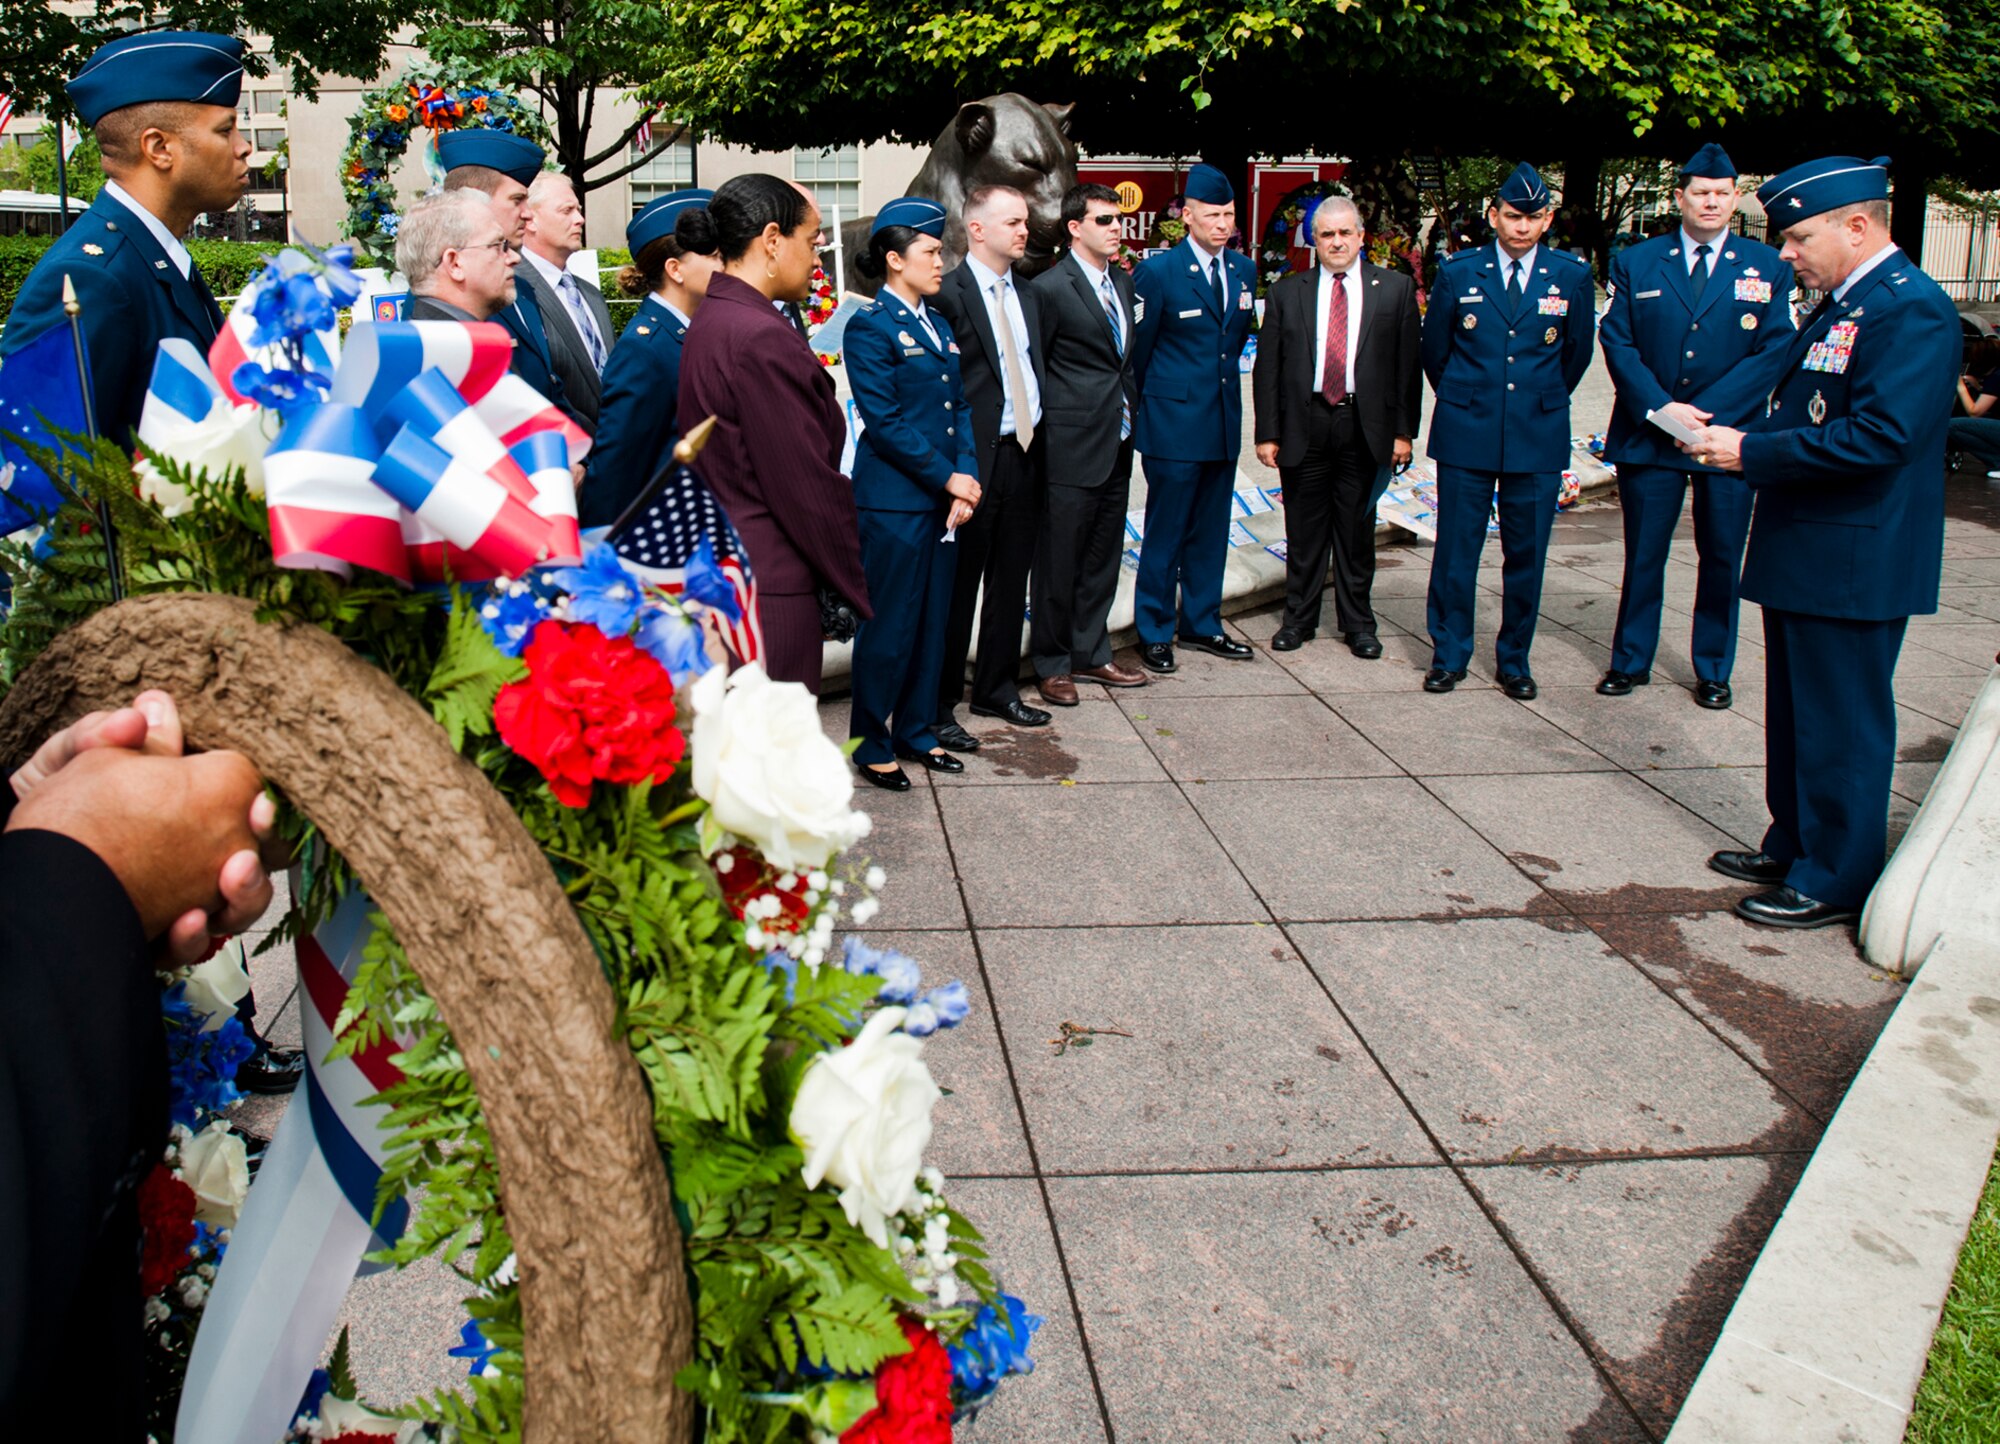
x: 663, y: 531
x: 643, y: 141
x: 6, y: 112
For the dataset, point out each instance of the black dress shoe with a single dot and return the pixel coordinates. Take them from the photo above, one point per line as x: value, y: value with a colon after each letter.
x: 1620, y: 684
x: 1787, y: 907
x: 1158, y: 657
x: 1713, y: 695
x: 1290, y: 639
x: 955, y: 738
x: 271, y: 1071
x: 1439, y: 680
x: 935, y: 761
x: 1218, y: 645
x: 1017, y: 712
x: 894, y: 780
x: 1519, y: 685
x: 1365, y: 645
x: 1749, y: 866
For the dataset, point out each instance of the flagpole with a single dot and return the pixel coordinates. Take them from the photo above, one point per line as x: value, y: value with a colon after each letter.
x: 62, y: 186
x: 73, y: 309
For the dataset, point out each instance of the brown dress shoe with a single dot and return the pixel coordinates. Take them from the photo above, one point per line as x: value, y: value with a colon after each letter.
x: 1111, y: 674
x: 1057, y: 691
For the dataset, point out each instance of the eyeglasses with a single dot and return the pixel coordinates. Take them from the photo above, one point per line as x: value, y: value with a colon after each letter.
x: 498, y: 245
x: 1109, y: 218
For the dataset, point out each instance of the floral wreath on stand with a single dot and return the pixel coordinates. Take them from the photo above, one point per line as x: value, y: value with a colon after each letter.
x: 821, y: 302
x: 420, y: 106
x: 1388, y: 247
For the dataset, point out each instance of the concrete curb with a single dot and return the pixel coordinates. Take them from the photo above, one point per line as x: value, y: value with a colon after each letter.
x: 1829, y: 1337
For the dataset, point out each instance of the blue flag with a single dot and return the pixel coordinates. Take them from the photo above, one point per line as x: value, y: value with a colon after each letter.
x: 41, y: 387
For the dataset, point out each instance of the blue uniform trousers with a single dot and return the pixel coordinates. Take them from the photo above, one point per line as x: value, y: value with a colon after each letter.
x: 899, y: 652
x: 1527, y: 512
x: 1830, y: 742
x: 1650, y: 497
x: 1186, y: 545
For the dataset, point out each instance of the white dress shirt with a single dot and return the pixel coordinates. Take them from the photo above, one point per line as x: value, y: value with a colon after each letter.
x: 1840, y: 291
x: 1350, y: 278
x: 169, y: 242
x: 1527, y: 264
x: 1689, y: 246
x: 1005, y: 310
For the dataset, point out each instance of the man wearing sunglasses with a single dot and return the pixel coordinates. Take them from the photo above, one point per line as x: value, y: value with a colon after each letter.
x: 457, y: 259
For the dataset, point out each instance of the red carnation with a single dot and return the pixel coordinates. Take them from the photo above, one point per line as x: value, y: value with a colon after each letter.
x: 592, y: 708
x: 749, y: 876
x: 166, y: 1218
x: 912, y: 1395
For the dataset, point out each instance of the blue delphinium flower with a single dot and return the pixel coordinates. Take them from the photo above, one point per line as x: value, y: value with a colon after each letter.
x: 473, y: 1346
x: 602, y: 592
x: 280, y: 390
x: 201, y: 1067
x: 779, y: 961
x: 673, y: 641
x: 991, y: 1348
x: 944, y: 1007
x: 901, y: 977
x: 708, y: 584
x: 510, y: 613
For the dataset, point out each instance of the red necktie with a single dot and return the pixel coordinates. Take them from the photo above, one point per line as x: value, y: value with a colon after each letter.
x: 1334, y: 386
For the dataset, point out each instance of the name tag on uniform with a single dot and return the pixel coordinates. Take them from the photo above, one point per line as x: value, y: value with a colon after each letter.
x: 913, y: 350
x: 1753, y: 290
x: 1242, y: 300
x: 1644, y: 295
x: 1553, y: 306
x: 1185, y: 315
x: 1473, y: 297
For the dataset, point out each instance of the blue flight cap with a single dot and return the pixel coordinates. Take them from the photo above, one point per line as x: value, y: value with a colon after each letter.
x: 1823, y: 185
x: 920, y: 213
x: 513, y: 157
x: 1209, y: 186
x: 658, y: 218
x: 184, y: 65
x: 1711, y: 162
x: 1524, y: 190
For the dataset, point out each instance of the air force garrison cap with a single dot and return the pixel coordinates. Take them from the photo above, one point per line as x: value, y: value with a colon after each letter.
x: 1711, y: 162
x: 1823, y: 185
x: 1209, y: 186
x: 1524, y: 190
x: 658, y: 218
x: 512, y: 156
x: 919, y: 213
x: 164, y: 65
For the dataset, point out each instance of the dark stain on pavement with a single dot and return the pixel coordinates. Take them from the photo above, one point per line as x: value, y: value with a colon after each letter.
x: 1022, y: 752
x: 1932, y: 749
x: 1547, y: 866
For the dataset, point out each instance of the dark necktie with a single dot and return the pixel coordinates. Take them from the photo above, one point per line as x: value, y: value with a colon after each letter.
x: 1698, y: 281
x: 1517, y: 282
x: 1215, y: 275
x: 1333, y: 386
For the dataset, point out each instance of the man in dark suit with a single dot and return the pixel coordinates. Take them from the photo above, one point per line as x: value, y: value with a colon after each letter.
x: 1195, y: 304
x: 1089, y: 400
x: 1846, y: 534
x: 1696, y: 331
x: 501, y: 167
x: 1000, y: 362
x: 1338, y: 385
x: 574, y: 316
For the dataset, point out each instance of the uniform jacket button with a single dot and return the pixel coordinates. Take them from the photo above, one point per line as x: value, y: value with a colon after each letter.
x: 1690, y: 355
x: 1510, y: 386
x: 1695, y: 327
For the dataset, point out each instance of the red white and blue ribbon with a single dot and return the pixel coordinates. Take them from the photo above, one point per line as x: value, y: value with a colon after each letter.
x: 306, y: 1223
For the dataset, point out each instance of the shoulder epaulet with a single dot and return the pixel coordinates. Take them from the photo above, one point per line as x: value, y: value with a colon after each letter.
x: 1573, y: 257
x: 1458, y: 256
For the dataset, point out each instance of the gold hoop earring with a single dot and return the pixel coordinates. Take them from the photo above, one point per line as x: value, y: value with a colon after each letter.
x: 770, y: 273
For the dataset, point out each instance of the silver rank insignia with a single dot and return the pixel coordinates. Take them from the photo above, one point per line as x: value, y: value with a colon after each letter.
x: 645, y: 330
x: 1749, y: 322
x: 1750, y: 271
x: 1816, y: 408
x: 1549, y: 337
x: 91, y: 248
x: 1470, y: 320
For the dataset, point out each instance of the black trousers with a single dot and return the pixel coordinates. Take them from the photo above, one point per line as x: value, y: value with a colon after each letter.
x: 1076, y: 571
x: 1330, y: 516
x: 996, y: 546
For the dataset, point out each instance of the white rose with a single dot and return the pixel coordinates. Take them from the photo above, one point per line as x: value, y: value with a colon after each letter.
x: 228, y: 437
x: 863, y: 1116
x: 767, y: 771
x: 215, y: 1165
x: 215, y: 987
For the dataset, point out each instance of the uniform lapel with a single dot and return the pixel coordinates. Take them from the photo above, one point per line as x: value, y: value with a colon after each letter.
x: 185, y: 295
x: 1198, y: 278
x: 913, y: 328
x: 1675, y: 264
x: 1722, y: 279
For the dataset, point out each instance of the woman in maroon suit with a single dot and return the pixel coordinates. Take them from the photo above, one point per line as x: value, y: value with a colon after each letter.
x: 774, y: 459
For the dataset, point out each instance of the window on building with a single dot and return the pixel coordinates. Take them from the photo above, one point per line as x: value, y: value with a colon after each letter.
x: 268, y: 102
x: 834, y: 176
x: 269, y: 140
x: 670, y: 170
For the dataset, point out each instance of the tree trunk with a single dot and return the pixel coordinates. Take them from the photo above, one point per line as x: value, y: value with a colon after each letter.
x: 604, y: 1296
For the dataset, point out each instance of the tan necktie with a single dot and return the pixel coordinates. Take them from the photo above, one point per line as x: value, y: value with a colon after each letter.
x: 1010, y: 357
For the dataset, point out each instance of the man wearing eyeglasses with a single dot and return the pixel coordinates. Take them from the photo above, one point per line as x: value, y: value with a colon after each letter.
x: 456, y: 257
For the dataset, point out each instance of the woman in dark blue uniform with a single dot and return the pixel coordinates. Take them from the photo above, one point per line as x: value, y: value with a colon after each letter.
x: 914, y: 479
x: 636, y: 420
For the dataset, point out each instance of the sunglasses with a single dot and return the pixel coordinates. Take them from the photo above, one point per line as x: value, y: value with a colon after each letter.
x: 1110, y: 219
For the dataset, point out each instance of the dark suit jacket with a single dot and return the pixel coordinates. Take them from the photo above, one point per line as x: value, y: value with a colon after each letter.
x: 568, y: 355
x: 979, y: 362
x: 774, y: 459
x: 1088, y: 380
x: 1388, y: 370
x: 132, y: 299
x: 83, y: 1119
x: 430, y: 308
x: 533, y: 361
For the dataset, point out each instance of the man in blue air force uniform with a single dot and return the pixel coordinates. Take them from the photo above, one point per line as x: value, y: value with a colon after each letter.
x: 163, y: 108
x: 1846, y: 537
x: 1507, y: 339
x: 1698, y: 329
x: 1195, y: 305
x: 501, y: 167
